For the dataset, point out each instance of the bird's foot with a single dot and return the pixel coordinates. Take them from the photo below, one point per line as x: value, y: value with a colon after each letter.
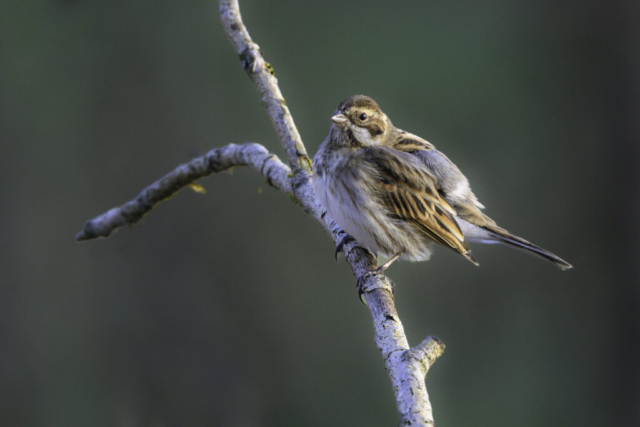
x: 374, y: 272
x: 346, y: 239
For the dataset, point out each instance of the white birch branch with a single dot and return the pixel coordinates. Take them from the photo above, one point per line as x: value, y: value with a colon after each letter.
x: 407, y: 367
x: 216, y: 160
x: 262, y: 74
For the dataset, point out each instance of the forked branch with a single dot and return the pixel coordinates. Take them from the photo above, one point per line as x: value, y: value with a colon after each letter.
x: 407, y: 367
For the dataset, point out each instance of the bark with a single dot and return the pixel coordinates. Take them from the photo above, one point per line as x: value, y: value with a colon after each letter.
x: 407, y: 367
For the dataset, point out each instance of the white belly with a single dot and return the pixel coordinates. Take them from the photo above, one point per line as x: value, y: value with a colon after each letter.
x: 368, y: 222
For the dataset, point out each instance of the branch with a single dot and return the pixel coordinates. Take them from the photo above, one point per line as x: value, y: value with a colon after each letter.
x: 406, y: 367
x: 216, y: 160
x: 264, y: 77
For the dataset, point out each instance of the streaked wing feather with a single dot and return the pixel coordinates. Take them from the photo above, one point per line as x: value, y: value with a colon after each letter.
x: 408, y: 142
x: 470, y: 210
x: 472, y: 213
x: 407, y: 190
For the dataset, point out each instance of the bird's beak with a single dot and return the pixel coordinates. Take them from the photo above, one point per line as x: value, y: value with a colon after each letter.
x: 338, y: 118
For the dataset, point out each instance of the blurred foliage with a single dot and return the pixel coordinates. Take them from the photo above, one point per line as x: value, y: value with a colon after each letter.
x: 228, y: 309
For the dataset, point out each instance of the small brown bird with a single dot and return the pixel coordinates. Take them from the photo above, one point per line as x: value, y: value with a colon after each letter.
x: 396, y: 194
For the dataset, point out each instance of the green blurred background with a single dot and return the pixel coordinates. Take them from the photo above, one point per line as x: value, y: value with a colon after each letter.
x: 228, y: 309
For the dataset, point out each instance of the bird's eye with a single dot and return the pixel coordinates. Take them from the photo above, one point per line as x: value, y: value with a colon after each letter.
x: 363, y: 116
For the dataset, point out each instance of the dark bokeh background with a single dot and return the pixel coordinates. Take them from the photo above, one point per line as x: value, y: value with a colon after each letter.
x: 228, y: 309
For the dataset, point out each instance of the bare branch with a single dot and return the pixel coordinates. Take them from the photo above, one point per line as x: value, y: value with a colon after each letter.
x: 407, y: 378
x: 216, y: 160
x: 262, y: 74
x: 407, y: 367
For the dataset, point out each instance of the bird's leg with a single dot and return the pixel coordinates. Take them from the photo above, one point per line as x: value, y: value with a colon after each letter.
x: 375, y: 271
x: 346, y: 239
x: 386, y: 265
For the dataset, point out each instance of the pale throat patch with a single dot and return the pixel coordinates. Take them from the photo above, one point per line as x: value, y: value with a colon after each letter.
x: 363, y: 136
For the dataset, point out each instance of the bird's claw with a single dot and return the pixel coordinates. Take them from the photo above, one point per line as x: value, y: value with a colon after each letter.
x: 393, y: 287
x: 346, y: 239
x: 360, y: 285
x: 361, y: 280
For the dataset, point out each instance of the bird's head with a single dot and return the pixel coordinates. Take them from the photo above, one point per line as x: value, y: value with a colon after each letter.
x: 363, y: 117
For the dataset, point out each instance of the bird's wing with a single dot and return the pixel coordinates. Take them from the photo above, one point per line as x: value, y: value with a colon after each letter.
x: 408, y: 142
x: 407, y: 189
x: 447, y: 178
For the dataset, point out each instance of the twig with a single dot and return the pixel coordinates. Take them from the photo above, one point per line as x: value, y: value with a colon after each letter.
x: 263, y: 75
x: 407, y: 367
x: 216, y: 160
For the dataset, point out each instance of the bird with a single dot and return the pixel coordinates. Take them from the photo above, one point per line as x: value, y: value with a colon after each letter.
x: 397, y: 195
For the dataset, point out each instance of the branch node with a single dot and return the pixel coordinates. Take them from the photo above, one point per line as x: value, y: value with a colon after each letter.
x: 248, y: 60
x: 425, y: 353
x: 213, y: 160
x: 264, y: 163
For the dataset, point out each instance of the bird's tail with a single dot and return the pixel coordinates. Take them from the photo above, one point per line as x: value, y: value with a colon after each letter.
x: 494, y: 234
